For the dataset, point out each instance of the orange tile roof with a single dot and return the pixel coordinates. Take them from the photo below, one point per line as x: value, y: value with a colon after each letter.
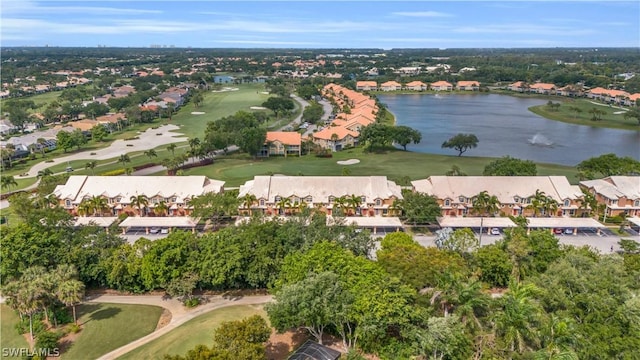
x: 391, y: 83
x: 612, y: 93
x: 84, y: 125
x: 441, y: 83
x: 416, y: 83
x: 285, y: 137
x: 468, y: 83
x: 367, y: 83
x: 635, y: 96
x: 543, y: 86
x: 341, y: 132
x: 110, y: 118
x: 517, y: 84
x: 339, y: 121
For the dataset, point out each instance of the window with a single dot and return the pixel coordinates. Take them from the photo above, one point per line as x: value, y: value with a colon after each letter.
x: 331, y: 199
x: 447, y: 202
x: 173, y: 199
x: 295, y: 199
x: 155, y: 200
x: 363, y: 199
x: 516, y: 199
x: 462, y: 199
x: 119, y: 199
x: 67, y: 203
x: 261, y: 202
x: 636, y: 203
x: 277, y: 198
x: 567, y: 202
x: 378, y: 202
x: 614, y: 202
x: 308, y: 199
x: 111, y: 200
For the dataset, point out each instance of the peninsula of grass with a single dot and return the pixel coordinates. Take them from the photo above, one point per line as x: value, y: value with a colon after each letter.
x: 397, y: 165
x: 613, y: 116
x: 8, y: 334
x: 194, y: 332
x: 106, y: 327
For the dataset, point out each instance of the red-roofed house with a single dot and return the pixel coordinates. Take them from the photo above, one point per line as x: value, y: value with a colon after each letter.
x: 441, y: 86
x: 367, y: 85
x: 335, y: 138
x: 633, y: 99
x: 416, y: 86
x: 468, y: 85
x: 282, y: 143
x: 543, y: 88
x: 390, y: 86
x: 519, y: 86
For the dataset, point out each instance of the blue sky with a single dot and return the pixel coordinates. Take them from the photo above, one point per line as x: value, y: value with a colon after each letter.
x: 327, y: 24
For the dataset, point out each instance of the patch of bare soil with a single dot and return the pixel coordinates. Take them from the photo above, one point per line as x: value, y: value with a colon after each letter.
x: 280, y: 346
x: 65, y: 343
x: 164, y: 320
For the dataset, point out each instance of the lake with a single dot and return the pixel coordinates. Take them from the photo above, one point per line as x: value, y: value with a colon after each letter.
x: 505, y: 126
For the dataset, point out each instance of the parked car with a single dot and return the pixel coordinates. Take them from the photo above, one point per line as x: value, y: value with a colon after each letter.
x: 495, y: 231
x: 164, y: 231
x: 568, y: 231
x: 154, y: 230
x: 69, y: 169
x: 557, y: 231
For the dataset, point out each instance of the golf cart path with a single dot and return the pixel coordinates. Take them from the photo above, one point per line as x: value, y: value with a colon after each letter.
x: 179, y: 313
x: 148, y: 139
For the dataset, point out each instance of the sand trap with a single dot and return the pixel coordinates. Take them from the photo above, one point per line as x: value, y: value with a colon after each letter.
x: 619, y: 112
x: 264, y: 92
x: 197, y: 113
x: 348, y: 162
x: 225, y: 89
x: 258, y: 108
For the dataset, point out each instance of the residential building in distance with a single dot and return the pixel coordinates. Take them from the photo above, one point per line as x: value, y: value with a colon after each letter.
x: 468, y: 85
x: 543, y: 88
x: 416, y: 86
x: 282, y: 143
x: 455, y: 194
x: 518, y: 86
x: 620, y: 194
x: 174, y: 191
x: 441, y: 86
x: 366, y: 85
x: 390, y: 86
x: 357, y: 195
x: 335, y: 138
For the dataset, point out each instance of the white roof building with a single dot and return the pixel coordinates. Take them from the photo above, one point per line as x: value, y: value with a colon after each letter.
x: 614, y: 187
x: 318, y: 189
x: 506, y: 188
x: 179, y: 187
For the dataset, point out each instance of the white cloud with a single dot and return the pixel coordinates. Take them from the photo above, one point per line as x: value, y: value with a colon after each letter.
x: 26, y: 7
x: 520, y: 28
x: 421, y: 14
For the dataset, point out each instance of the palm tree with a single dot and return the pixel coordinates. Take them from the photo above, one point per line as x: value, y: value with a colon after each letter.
x: 172, y: 148
x: 150, y: 154
x: 518, y: 321
x: 538, y: 202
x: 354, y: 202
x: 124, y: 159
x: 70, y: 292
x: 170, y: 108
x: 140, y: 202
x: 283, y: 204
x: 247, y: 202
x: 588, y: 203
x: 469, y: 302
x: 300, y: 206
x: 485, y: 204
x: 193, y: 143
x: 576, y: 110
x: 341, y: 203
x: 85, y: 208
x: 99, y: 205
x: 550, y: 206
x: 161, y: 208
x: 455, y: 171
x: 7, y: 181
x: 91, y: 165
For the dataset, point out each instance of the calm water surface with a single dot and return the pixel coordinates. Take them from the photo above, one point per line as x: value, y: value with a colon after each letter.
x: 504, y: 126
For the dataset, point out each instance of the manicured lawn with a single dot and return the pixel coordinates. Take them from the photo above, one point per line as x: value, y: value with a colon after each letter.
x: 9, y: 337
x: 565, y: 114
x: 192, y: 333
x: 396, y: 164
x: 217, y: 105
x: 41, y: 100
x: 109, y: 326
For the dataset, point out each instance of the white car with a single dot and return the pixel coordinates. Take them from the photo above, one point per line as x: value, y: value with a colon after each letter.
x: 495, y: 231
x: 164, y: 231
x: 154, y: 230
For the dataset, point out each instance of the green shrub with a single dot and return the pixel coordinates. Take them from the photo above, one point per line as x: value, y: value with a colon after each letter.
x: 47, y: 340
x: 73, y: 328
x: 193, y: 302
x: 123, y: 216
x: 113, y: 172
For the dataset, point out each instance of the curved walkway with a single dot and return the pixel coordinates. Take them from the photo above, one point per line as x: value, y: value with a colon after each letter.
x: 179, y: 313
x: 148, y: 139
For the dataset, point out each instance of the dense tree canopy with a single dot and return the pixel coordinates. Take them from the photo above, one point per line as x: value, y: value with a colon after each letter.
x: 608, y: 165
x: 461, y: 143
x: 508, y: 166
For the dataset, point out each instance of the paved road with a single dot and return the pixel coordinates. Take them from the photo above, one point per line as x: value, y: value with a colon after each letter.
x: 179, y: 313
x: 327, y: 111
x: 191, y: 160
x: 147, y: 140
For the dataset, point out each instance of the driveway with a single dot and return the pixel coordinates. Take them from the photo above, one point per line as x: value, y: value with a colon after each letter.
x: 179, y: 313
x: 149, y: 139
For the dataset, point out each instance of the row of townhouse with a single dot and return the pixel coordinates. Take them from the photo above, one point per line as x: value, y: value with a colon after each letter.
x: 344, y: 130
x: 618, y: 97
x: 418, y: 86
x: 366, y: 196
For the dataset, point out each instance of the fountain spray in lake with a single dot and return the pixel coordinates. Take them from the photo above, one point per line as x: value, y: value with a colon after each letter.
x: 540, y: 140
